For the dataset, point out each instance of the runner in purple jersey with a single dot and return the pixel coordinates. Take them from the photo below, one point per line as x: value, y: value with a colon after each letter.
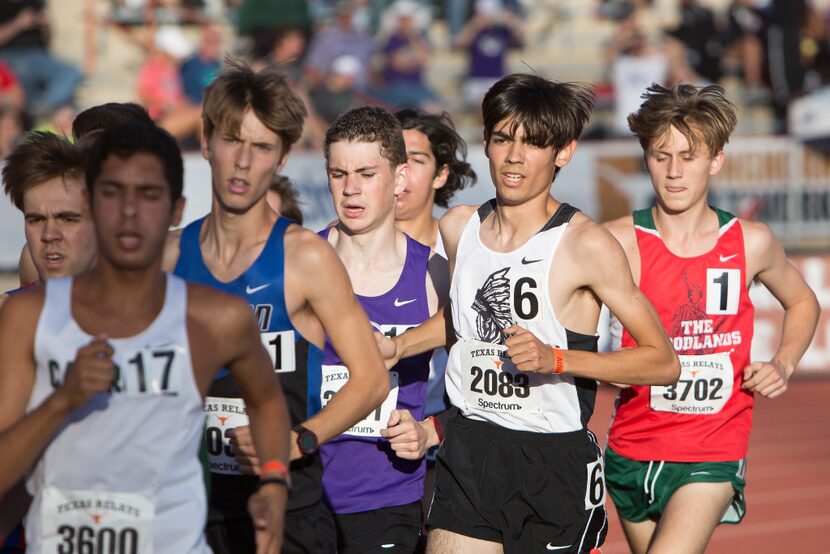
x: 374, y: 493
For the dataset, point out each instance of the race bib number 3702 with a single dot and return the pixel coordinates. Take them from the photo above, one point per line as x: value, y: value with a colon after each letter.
x: 96, y: 522
x: 704, y: 387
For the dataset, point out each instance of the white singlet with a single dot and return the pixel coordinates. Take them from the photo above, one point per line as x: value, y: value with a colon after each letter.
x: 490, y: 291
x: 121, y: 475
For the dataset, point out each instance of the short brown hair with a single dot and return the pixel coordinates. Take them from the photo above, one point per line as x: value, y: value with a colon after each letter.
x: 267, y: 94
x: 370, y: 124
x: 41, y: 157
x: 699, y: 113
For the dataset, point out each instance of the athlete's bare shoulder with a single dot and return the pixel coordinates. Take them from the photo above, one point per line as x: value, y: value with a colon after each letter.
x: 171, y: 250
x: 306, y: 249
x: 587, y: 244
x: 21, y: 311
x: 623, y: 229
x: 452, y: 224
x: 758, y: 237
x: 205, y: 302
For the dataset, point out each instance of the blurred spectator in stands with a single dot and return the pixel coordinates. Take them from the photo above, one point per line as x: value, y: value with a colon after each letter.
x: 11, y: 91
x: 282, y: 48
x: 815, y: 50
x: 786, y: 19
x: 283, y: 198
x: 635, y: 65
x: 198, y: 70
x: 339, y: 38
x: 694, y: 47
x: 253, y: 15
x: 338, y: 92
x: 745, y: 45
x: 160, y: 87
x: 404, y: 55
x: 24, y: 45
x: 11, y: 129
x: 487, y: 38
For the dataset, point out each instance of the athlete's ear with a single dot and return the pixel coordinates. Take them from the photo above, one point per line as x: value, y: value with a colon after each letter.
x: 178, y: 211
x: 565, y: 154
x: 203, y: 145
x: 401, y: 178
x: 441, y: 178
x: 716, y: 164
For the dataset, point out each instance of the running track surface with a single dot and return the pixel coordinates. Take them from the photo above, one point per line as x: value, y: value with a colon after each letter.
x: 788, y: 475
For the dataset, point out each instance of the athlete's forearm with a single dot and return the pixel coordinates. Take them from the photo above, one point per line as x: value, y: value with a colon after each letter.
x: 642, y: 365
x: 800, y: 320
x: 427, y: 336
x: 271, y: 428
x: 362, y: 393
x: 23, y: 442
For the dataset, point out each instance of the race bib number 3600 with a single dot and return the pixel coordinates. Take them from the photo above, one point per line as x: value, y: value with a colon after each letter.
x: 704, y: 386
x: 96, y: 522
x: 492, y: 383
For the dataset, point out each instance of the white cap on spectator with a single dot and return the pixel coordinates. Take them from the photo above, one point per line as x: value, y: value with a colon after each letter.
x: 405, y: 8
x: 489, y: 7
x: 171, y: 40
x: 347, y: 65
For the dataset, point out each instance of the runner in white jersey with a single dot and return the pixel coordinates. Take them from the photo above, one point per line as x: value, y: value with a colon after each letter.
x: 519, y: 471
x: 103, y: 377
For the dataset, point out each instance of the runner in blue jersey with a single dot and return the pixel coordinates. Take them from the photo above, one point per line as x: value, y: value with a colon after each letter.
x: 299, y: 292
x: 374, y: 494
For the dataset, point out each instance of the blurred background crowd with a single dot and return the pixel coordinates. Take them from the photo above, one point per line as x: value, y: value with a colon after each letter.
x: 58, y: 57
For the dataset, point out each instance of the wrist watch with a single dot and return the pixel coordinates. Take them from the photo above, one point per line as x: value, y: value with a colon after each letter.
x: 306, y: 440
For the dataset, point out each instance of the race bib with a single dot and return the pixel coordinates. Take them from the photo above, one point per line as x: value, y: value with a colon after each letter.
x: 280, y: 346
x: 492, y: 383
x: 150, y: 370
x: 222, y: 415
x: 96, y: 522
x: 335, y: 376
x: 704, y: 386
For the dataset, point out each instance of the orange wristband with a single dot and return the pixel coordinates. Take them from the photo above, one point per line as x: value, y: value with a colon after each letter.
x: 558, y: 361
x: 273, y: 465
x: 437, y: 429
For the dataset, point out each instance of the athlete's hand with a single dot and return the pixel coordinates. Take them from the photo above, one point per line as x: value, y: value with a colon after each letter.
x: 407, y: 436
x: 91, y: 373
x: 267, y: 509
x: 766, y: 378
x: 244, y: 451
x: 388, y: 349
x: 527, y: 352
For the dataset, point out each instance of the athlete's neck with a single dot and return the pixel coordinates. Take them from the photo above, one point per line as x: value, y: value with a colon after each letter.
x: 124, y: 302
x: 513, y: 225
x: 687, y: 233
x: 374, y: 259
x: 225, y: 234
x: 423, y: 228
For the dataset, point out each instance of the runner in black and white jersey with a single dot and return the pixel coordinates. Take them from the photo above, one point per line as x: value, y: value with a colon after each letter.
x: 519, y: 471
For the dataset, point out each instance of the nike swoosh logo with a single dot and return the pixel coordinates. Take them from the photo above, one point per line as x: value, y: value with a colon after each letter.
x: 525, y: 261
x: 726, y: 258
x: 549, y: 546
x: 250, y: 290
x: 399, y: 303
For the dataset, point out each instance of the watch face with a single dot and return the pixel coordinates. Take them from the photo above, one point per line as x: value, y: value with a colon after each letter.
x: 308, y: 442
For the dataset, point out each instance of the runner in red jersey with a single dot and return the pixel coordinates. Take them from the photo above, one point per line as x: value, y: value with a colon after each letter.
x: 674, y: 463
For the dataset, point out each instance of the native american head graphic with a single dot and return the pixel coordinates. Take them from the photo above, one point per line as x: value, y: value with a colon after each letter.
x: 492, y: 304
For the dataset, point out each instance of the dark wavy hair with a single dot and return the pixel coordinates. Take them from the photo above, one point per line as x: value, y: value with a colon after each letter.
x: 447, y: 146
x: 552, y: 113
